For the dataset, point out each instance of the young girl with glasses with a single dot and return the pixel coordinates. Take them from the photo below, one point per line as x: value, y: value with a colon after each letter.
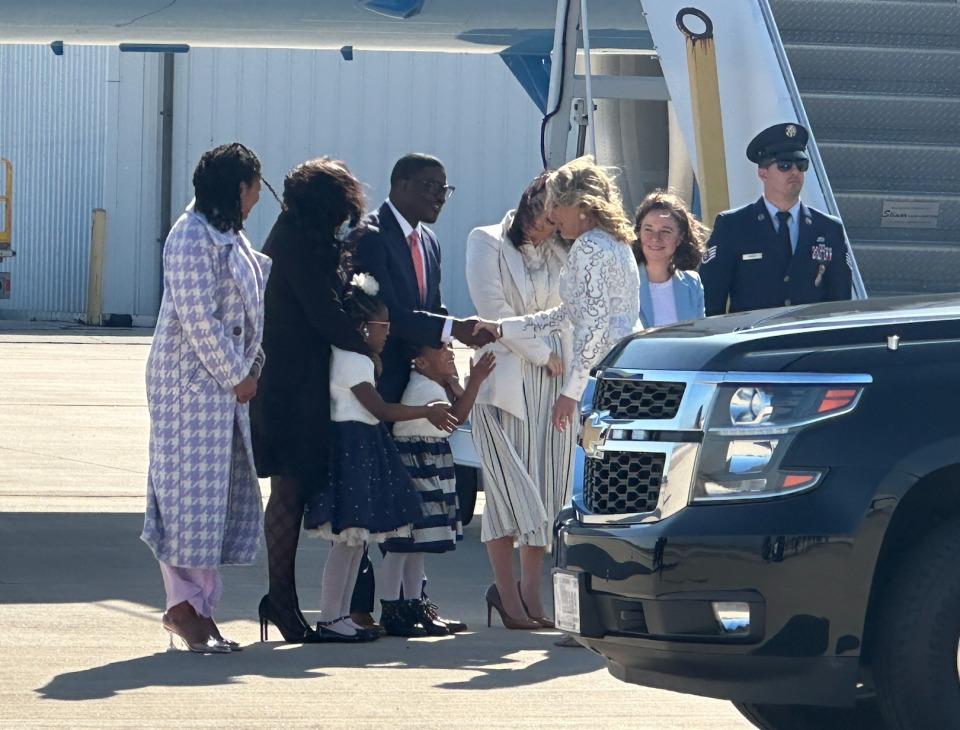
x: 370, y: 496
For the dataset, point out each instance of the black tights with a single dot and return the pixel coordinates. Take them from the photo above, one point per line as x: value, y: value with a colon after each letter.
x: 282, y: 522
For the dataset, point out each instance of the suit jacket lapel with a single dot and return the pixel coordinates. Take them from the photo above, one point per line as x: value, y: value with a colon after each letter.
x: 770, y: 242
x: 646, y: 301
x: 394, y: 239
x: 515, y: 266
x: 680, y: 296
x: 806, y: 238
x: 430, y: 247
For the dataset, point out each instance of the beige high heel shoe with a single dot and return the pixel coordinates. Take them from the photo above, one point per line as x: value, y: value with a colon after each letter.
x: 546, y: 623
x: 517, y: 624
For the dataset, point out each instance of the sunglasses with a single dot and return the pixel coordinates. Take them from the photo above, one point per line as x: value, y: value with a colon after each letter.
x: 786, y: 165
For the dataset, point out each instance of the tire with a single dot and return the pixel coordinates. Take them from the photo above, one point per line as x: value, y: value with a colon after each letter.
x: 865, y: 715
x: 915, y: 652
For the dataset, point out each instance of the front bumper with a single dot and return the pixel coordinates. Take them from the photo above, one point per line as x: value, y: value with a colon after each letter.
x: 646, y: 593
x: 710, y: 667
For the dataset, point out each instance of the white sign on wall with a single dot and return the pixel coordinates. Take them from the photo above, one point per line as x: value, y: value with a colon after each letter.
x: 909, y: 214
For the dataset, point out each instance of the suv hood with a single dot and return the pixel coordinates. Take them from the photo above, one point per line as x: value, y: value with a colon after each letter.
x: 770, y: 340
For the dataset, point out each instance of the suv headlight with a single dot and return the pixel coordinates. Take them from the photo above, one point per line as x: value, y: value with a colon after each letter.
x: 750, y: 430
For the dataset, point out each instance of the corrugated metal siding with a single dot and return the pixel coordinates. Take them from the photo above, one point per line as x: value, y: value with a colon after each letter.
x: 290, y: 106
x: 52, y: 130
x: 131, y: 190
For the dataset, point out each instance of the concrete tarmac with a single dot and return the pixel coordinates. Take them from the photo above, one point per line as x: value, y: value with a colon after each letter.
x: 81, y: 597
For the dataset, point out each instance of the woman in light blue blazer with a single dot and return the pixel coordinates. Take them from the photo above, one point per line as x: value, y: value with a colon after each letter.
x: 669, y: 248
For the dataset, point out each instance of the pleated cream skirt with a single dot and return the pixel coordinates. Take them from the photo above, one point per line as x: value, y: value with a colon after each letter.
x: 527, y: 465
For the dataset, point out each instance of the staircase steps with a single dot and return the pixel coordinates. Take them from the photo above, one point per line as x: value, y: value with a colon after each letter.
x: 880, y: 80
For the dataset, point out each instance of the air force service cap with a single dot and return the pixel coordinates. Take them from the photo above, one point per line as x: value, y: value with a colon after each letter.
x: 781, y: 141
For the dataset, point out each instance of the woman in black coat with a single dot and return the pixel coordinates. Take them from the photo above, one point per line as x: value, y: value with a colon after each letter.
x: 290, y: 416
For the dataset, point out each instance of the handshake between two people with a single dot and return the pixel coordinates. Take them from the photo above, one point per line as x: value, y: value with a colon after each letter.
x: 475, y: 332
x: 482, y: 332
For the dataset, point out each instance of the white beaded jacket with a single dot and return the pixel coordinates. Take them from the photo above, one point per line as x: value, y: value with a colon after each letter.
x: 600, y: 302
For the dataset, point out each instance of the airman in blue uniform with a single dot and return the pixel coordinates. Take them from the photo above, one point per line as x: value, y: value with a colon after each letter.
x: 777, y: 251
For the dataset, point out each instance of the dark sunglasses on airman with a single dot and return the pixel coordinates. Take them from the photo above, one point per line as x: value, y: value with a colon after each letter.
x: 785, y: 165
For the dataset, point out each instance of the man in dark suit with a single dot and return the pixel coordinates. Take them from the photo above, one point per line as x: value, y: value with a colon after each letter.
x: 777, y: 251
x: 403, y: 255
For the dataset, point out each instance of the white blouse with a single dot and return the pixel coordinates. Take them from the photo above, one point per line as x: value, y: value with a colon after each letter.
x: 421, y: 391
x: 600, y: 301
x: 664, y: 303
x: 348, y: 369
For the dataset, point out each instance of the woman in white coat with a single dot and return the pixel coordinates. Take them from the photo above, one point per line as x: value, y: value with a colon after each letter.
x: 514, y: 269
x: 599, y: 286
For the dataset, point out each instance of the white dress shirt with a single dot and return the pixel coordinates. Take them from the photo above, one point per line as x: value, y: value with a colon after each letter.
x: 793, y: 223
x: 407, y: 230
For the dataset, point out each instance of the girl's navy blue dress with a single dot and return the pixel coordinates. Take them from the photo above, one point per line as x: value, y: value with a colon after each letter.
x: 371, y: 496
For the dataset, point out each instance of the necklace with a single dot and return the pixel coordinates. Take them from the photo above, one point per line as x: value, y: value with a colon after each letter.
x: 528, y: 262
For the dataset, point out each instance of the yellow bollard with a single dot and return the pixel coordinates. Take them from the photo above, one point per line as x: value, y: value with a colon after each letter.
x: 98, y: 244
x: 6, y: 239
x: 707, y: 117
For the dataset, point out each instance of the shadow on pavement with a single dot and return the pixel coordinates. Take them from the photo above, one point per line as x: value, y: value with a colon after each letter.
x: 92, y: 558
x: 474, y: 662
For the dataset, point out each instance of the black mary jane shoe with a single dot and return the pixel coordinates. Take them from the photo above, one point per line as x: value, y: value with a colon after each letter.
x: 329, y: 636
x: 292, y: 627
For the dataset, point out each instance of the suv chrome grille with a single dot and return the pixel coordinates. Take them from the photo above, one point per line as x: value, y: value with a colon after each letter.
x: 623, y: 483
x: 638, y: 399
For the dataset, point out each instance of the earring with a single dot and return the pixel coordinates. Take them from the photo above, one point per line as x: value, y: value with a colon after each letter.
x: 365, y: 331
x: 583, y: 216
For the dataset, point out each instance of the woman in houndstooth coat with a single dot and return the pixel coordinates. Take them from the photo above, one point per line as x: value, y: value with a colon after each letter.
x: 203, y: 500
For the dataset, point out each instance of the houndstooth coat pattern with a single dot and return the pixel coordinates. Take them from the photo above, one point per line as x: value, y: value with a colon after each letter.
x: 204, y: 507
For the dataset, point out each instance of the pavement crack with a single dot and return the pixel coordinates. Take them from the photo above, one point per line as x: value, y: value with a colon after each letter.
x: 152, y: 12
x: 75, y: 461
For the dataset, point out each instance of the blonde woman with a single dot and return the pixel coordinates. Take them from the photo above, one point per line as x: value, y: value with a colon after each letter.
x: 599, y: 283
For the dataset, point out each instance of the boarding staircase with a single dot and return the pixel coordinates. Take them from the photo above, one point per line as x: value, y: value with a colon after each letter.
x: 880, y: 81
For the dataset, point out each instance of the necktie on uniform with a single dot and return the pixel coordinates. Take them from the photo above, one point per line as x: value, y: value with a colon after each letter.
x: 783, y: 232
x: 414, y: 240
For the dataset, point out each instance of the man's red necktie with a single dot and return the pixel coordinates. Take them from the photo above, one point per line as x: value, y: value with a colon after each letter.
x: 414, y: 241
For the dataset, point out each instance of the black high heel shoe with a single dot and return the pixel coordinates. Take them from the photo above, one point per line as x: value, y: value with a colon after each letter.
x: 295, y: 632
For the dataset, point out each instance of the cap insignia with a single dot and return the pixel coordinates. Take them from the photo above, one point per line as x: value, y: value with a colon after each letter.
x: 791, y: 130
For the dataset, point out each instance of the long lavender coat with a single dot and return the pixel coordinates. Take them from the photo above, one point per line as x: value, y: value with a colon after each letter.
x: 203, y: 500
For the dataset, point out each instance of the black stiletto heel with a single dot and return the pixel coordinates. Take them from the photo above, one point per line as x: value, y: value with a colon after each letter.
x: 298, y: 633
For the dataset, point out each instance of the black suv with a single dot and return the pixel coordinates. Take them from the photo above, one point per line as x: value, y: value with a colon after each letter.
x: 768, y: 511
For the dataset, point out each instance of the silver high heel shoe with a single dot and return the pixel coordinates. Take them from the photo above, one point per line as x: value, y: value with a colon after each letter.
x: 210, y: 646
